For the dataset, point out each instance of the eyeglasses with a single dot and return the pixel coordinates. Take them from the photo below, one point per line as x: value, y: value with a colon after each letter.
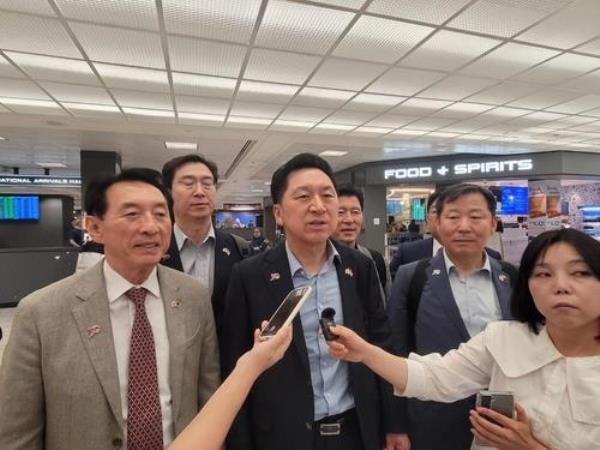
x: 354, y: 212
x: 191, y: 183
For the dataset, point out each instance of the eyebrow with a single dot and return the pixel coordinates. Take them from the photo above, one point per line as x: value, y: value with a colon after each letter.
x: 571, y: 262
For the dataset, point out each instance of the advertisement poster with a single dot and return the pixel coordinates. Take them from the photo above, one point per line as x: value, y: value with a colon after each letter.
x: 545, y: 212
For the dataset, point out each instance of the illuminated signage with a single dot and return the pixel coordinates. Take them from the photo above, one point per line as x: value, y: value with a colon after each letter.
x: 470, y: 168
x: 24, y: 180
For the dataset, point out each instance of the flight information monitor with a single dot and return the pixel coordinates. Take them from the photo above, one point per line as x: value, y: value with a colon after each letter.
x: 14, y: 207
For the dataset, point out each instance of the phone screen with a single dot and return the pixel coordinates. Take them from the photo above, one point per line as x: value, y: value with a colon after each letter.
x: 287, y: 311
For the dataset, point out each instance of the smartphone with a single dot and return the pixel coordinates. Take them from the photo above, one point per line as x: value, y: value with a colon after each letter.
x: 290, y: 306
x: 502, y: 402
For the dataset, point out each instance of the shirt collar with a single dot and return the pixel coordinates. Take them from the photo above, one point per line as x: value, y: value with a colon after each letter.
x: 486, y: 267
x: 295, y: 265
x: 181, y: 237
x: 116, y: 285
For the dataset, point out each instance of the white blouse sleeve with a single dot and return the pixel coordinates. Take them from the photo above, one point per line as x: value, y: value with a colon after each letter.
x: 457, y: 375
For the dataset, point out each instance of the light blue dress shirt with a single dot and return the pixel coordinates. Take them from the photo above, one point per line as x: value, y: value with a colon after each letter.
x: 475, y: 295
x: 197, y: 260
x: 329, y: 376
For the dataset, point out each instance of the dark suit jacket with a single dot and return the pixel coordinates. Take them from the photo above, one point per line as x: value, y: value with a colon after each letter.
x: 227, y: 254
x: 279, y: 411
x: 423, y: 248
x: 439, y: 328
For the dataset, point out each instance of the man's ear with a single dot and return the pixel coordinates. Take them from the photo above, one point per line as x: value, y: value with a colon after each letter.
x: 277, y: 215
x: 94, y: 226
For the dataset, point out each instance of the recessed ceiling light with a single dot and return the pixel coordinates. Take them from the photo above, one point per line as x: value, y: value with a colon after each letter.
x: 333, y: 153
x: 3, y: 139
x: 51, y: 165
x: 191, y: 146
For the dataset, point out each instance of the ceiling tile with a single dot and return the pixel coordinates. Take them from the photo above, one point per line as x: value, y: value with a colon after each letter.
x: 587, y: 83
x: 579, y: 105
x: 461, y: 111
x: 203, y: 105
x: 248, y: 122
x: 373, y: 102
x: 135, y: 99
x: 256, y: 91
x: 256, y: 110
x: 306, y: 114
x: 419, y: 106
x: 226, y: 20
x: 105, y: 44
x: 8, y: 70
x: 371, y: 131
x: 44, y: 107
x: 302, y: 28
x: 127, y: 13
x: 21, y: 89
x: 23, y: 33
x: 380, y: 40
x: 345, y: 74
x: 508, y: 60
x: 448, y: 50
x: 201, y: 119
x: 544, y: 98
x: 353, y: 4
x: 561, y: 68
x: 331, y: 128
x: 404, y: 81
x: 211, y: 58
x: 568, y: 28
x: 457, y: 87
x: 150, y: 115
x: 350, y: 117
x: 431, y: 11
x: 503, y: 111
x: 133, y: 78
x: 291, y: 125
x: 504, y: 18
x: 282, y: 67
x: 49, y: 68
x: 28, y: 6
x: 391, y: 121
x: 503, y: 93
x: 202, y: 86
x: 429, y: 124
x: 591, y: 47
x: 542, y: 116
x: 93, y: 111
x: 78, y: 94
x: 326, y: 98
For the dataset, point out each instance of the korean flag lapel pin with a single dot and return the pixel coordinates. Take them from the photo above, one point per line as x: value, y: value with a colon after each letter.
x: 436, y: 272
x: 226, y: 251
x: 176, y: 303
x: 349, y: 272
x: 275, y: 276
x: 93, y: 330
x: 503, y: 278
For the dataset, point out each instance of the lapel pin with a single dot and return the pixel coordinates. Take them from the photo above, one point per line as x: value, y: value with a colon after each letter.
x: 503, y: 278
x: 436, y: 272
x: 275, y: 276
x: 226, y: 251
x: 93, y: 330
x: 176, y: 303
x: 349, y: 272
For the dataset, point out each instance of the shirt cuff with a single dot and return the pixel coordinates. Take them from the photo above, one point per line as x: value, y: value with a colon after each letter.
x: 415, y: 380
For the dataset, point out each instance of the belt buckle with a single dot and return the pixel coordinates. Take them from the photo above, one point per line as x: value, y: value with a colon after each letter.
x: 330, y: 429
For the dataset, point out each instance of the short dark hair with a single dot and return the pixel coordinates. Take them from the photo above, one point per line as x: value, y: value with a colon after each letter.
x: 173, y: 165
x: 279, y: 181
x: 95, y: 194
x: 522, y: 305
x: 456, y: 191
x: 432, y: 198
x: 352, y: 192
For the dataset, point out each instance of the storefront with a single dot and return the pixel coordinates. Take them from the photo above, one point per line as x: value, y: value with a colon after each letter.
x: 535, y: 192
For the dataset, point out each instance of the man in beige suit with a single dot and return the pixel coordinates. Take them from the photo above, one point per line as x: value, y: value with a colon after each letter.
x: 122, y: 355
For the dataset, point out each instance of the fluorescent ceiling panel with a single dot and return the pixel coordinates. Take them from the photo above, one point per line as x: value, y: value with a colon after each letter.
x: 404, y: 82
x: 200, y: 119
x: 302, y: 28
x: 93, y: 111
x: 145, y: 100
x: 349, y: 118
x: 149, y: 113
x: 49, y: 68
x: 457, y: 87
x: 291, y: 125
x: 448, y: 50
x: 231, y: 20
x: 187, y: 146
x: 373, y: 102
x: 420, y: 106
x: 21, y: 89
x: 409, y: 132
x: 372, y: 130
x: 202, y: 85
x: 329, y: 128
x: 22, y: 106
x: 459, y: 111
x: 201, y: 105
x: 107, y: 44
x: 78, y: 94
x: 248, y: 122
x: 256, y: 91
x: 432, y: 11
x: 503, y: 93
x: 281, y: 67
x: 133, y: 78
x: 345, y: 74
x: 326, y: 98
x: 508, y: 60
x: 256, y: 110
x: 305, y: 114
x: 126, y: 13
x: 429, y: 124
x: 380, y: 40
x: 502, y: 111
x: 27, y: 6
x: 391, y: 121
x: 210, y: 58
x: 561, y: 68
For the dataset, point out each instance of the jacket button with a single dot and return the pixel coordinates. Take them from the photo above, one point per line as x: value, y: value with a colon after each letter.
x: 117, y: 442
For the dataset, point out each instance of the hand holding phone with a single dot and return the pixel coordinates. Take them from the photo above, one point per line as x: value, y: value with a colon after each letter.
x: 289, y: 307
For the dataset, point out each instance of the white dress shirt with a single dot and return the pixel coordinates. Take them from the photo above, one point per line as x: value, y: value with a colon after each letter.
x: 197, y: 260
x: 436, y: 246
x: 122, y: 313
x: 561, y: 395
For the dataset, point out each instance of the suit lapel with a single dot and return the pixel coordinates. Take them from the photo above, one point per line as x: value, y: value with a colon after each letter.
x: 346, y: 274
x: 503, y: 288
x: 440, y: 285
x: 172, y: 259
x: 224, y: 257
x: 279, y: 281
x: 176, y: 312
x: 92, y: 315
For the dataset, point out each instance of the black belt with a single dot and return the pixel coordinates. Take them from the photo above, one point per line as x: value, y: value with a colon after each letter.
x: 335, y: 425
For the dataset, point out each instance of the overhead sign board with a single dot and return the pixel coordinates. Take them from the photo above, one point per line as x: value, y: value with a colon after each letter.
x: 39, y: 180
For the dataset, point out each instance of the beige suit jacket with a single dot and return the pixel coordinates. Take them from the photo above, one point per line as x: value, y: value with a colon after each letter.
x: 59, y: 387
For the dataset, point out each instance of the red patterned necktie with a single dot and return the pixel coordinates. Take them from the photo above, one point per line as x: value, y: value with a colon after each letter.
x: 144, y: 417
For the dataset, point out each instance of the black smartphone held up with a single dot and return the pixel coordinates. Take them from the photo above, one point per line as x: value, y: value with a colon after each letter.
x: 289, y: 307
x: 502, y: 402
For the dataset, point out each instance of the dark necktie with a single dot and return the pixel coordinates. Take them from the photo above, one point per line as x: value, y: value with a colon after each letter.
x: 144, y: 417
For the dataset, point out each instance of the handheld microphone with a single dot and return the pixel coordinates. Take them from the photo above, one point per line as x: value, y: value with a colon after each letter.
x: 327, y: 321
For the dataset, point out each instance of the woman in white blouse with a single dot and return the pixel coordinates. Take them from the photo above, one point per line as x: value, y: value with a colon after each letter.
x: 549, y: 358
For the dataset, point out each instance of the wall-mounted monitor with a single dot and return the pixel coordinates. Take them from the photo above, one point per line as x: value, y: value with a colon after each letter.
x: 513, y: 201
x: 417, y: 209
x: 236, y: 219
x: 19, y: 207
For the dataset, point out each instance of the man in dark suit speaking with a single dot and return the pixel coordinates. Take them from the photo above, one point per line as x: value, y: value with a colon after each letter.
x: 309, y: 400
